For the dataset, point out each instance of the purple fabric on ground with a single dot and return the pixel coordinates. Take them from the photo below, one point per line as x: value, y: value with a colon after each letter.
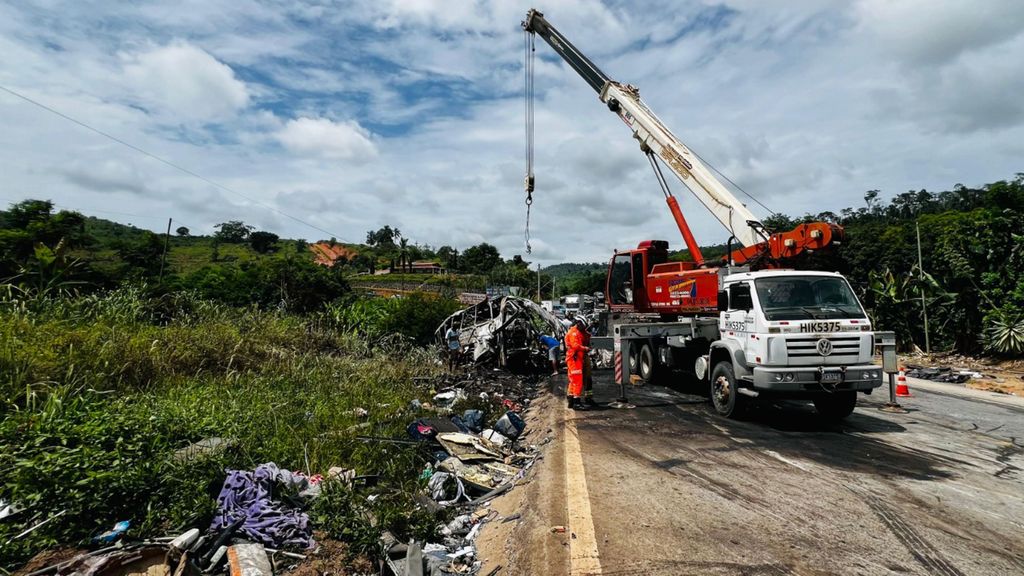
x: 250, y: 495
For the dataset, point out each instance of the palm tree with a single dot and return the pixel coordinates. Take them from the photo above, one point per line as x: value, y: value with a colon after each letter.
x: 403, y: 254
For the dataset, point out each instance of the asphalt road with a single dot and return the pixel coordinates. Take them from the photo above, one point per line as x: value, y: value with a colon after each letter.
x: 674, y: 489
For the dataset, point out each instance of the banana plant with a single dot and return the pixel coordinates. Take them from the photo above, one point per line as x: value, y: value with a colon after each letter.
x: 48, y: 272
x: 894, y: 302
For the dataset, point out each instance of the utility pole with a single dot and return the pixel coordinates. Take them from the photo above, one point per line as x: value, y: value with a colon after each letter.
x: 163, y: 257
x: 538, y: 283
x: 924, y: 306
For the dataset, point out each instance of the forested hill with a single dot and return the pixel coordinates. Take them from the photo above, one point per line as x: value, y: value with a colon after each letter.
x: 572, y: 268
x: 972, y: 273
x: 44, y: 251
x: 972, y: 253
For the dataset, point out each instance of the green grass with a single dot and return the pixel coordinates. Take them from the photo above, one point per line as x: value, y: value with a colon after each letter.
x: 189, y: 255
x: 98, y: 392
x: 411, y: 281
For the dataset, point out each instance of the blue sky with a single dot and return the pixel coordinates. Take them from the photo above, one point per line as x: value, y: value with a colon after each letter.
x: 352, y: 115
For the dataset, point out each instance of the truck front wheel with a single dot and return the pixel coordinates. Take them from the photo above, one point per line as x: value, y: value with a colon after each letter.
x: 725, y: 397
x: 836, y: 406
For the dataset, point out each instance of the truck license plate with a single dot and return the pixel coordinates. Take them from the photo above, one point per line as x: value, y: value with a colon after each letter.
x: 831, y: 376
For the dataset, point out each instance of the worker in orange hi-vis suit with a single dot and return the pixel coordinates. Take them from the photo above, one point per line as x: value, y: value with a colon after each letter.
x: 575, y: 356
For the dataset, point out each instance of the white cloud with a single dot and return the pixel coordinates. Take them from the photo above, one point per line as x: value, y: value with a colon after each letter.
x: 345, y: 140
x: 110, y: 174
x: 925, y: 32
x: 804, y: 103
x: 185, y: 83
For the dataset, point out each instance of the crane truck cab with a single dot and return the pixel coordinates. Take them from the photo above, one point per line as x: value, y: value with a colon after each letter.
x: 793, y: 334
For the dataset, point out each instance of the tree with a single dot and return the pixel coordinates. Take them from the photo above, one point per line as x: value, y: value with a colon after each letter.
x: 36, y: 217
x: 518, y: 262
x: 508, y: 274
x: 362, y: 263
x: 23, y: 214
x: 144, y: 255
x: 263, y: 242
x: 480, y: 259
x: 403, y: 254
x: 384, y: 237
x: 32, y: 222
x: 293, y: 284
x: 778, y: 223
x: 448, y: 256
x: 233, y: 231
x: 182, y: 231
x: 585, y: 283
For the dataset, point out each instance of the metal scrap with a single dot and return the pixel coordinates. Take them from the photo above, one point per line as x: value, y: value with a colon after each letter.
x: 940, y: 374
x: 468, y: 447
x: 503, y: 332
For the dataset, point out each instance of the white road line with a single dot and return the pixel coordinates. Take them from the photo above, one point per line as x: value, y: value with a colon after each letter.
x: 583, y: 559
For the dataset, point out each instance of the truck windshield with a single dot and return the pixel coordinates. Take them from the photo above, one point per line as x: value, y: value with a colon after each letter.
x: 803, y: 297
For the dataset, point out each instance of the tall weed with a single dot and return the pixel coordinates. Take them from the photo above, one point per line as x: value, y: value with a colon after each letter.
x: 100, y: 392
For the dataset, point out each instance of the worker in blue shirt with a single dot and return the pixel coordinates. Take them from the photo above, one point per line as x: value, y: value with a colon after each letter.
x: 552, y: 345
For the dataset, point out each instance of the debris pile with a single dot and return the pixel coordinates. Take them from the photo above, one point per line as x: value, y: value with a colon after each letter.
x: 259, y: 515
x: 472, y: 464
x: 502, y: 333
x: 942, y: 374
x: 470, y: 429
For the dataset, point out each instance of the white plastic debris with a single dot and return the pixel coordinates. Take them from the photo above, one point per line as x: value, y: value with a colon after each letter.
x: 449, y: 397
x: 185, y: 540
x: 494, y: 436
x: 458, y: 526
x: 467, y: 551
x: 8, y: 509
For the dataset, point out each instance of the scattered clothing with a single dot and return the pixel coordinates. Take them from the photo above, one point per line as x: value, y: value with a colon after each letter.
x: 250, y: 495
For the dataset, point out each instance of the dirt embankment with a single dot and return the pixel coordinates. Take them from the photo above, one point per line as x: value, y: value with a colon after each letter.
x: 521, y: 540
x: 990, y: 374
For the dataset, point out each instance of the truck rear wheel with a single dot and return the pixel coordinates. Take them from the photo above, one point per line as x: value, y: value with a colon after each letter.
x: 836, y: 406
x: 647, y: 365
x: 725, y: 397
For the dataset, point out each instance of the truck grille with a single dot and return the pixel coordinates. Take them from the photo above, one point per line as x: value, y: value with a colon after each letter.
x: 807, y: 346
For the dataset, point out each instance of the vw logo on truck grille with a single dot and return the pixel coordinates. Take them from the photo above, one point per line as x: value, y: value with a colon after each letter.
x: 824, y: 346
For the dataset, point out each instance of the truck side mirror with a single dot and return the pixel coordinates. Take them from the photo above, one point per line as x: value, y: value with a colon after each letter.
x: 723, y: 301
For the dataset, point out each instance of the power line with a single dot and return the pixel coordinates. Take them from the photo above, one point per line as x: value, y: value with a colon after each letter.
x: 167, y: 162
x: 749, y: 195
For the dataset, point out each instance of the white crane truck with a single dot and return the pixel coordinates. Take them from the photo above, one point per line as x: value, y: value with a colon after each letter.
x: 747, y: 326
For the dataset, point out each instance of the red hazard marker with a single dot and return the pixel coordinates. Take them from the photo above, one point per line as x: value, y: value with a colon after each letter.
x: 902, y: 390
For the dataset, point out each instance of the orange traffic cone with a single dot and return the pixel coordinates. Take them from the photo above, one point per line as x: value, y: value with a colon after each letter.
x: 902, y: 389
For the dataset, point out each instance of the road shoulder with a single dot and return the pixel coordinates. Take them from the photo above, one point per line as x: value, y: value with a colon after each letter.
x: 966, y: 393
x: 526, y: 545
